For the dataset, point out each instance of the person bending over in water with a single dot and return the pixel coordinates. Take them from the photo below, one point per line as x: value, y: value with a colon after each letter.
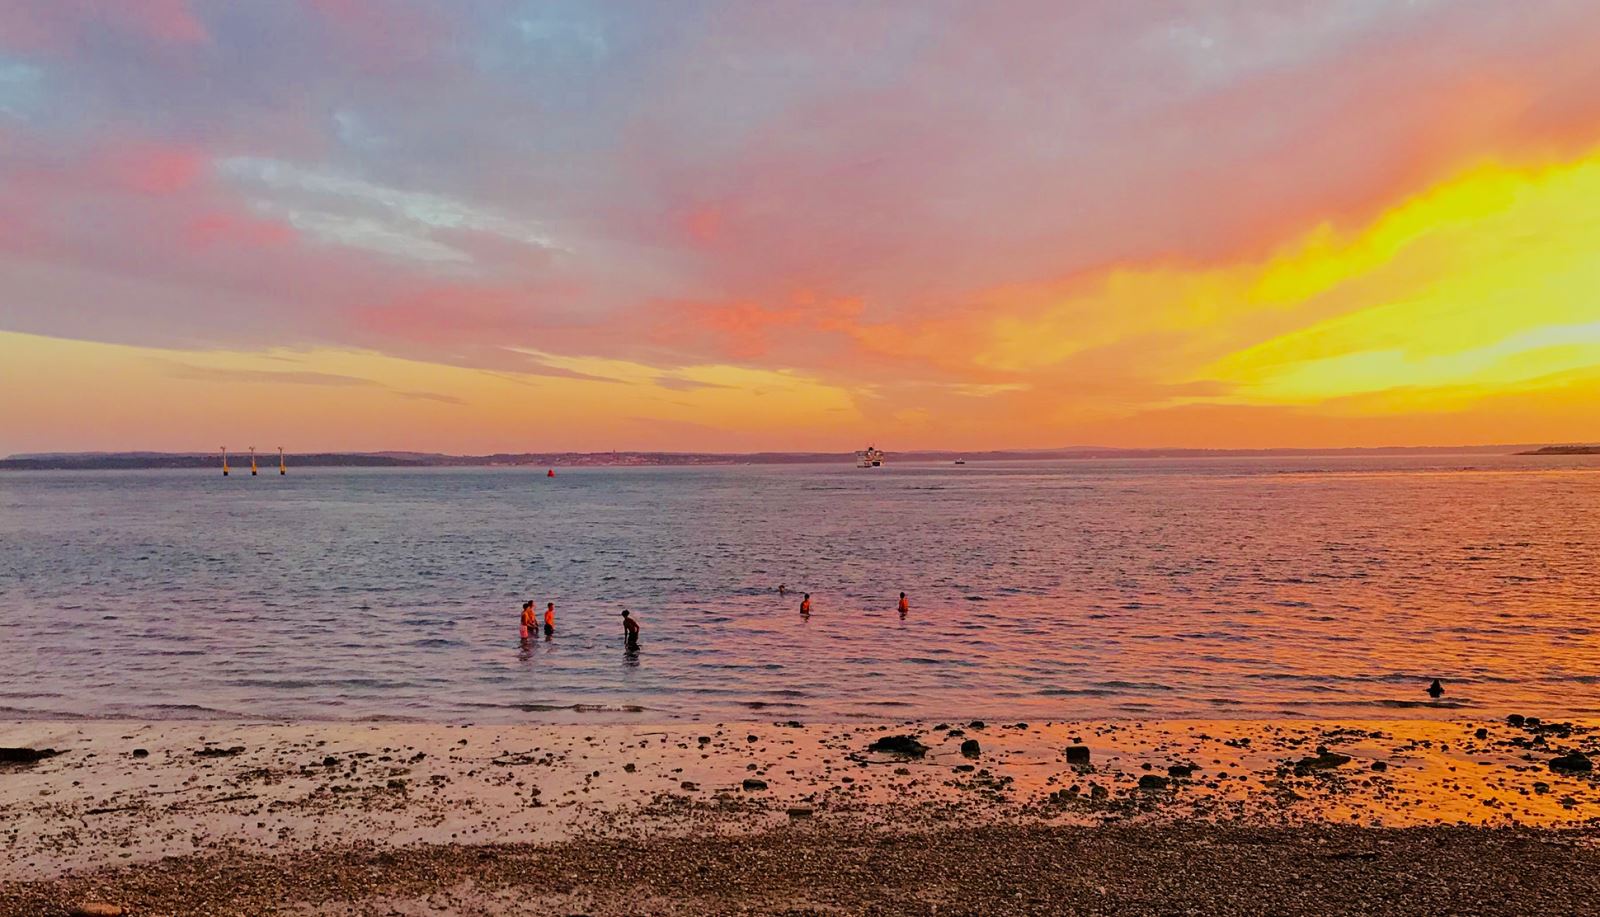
x: 805, y: 606
x: 550, y: 619
x: 905, y: 606
x: 782, y: 589
x: 530, y: 619
x: 630, y: 630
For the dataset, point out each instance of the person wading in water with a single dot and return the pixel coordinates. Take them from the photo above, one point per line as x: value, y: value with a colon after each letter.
x: 530, y: 620
x: 630, y: 630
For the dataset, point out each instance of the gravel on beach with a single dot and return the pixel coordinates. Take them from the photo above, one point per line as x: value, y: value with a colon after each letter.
x: 1132, y: 869
x: 1222, y: 817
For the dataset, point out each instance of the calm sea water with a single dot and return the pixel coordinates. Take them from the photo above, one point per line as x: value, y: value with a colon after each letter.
x: 1239, y: 588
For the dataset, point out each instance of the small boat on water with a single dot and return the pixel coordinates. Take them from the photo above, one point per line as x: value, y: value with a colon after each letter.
x: 961, y: 461
x: 870, y: 457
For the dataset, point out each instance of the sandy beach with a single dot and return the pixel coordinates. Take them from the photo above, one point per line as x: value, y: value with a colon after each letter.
x: 1221, y: 816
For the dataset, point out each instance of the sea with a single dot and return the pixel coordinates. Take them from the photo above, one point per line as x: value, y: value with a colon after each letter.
x: 1248, y: 588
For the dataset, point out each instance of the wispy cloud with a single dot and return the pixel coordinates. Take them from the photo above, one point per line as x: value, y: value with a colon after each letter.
x: 343, y: 210
x: 263, y: 376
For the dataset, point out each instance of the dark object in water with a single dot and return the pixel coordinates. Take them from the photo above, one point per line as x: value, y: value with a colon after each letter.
x: 1435, y: 689
x: 971, y: 749
x: 1077, y: 754
x: 25, y: 755
x: 1572, y: 763
x: 899, y: 745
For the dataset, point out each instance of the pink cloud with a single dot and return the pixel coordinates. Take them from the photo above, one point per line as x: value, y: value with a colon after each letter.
x: 233, y: 229
x: 57, y: 25
x: 154, y: 169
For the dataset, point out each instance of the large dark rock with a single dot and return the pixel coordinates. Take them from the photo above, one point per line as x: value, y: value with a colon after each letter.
x: 899, y: 745
x: 1077, y: 754
x: 1572, y: 763
x: 971, y: 748
x: 1328, y: 760
x: 1152, y: 782
x: 25, y: 755
x: 212, y: 751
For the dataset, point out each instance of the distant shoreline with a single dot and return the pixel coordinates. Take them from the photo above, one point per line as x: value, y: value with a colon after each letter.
x: 111, y: 461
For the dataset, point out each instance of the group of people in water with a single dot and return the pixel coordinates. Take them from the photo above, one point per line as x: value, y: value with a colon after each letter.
x: 530, y: 623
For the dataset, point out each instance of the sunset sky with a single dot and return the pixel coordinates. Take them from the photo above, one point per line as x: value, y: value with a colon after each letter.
x: 481, y: 226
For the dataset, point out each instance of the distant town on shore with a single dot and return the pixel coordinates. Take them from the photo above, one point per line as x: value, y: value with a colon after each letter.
x: 87, y: 461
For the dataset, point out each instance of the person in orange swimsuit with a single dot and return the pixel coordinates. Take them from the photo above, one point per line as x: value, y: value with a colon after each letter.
x: 530, y: 620
x: 805, y: 606
x: 550, y: 619
x: 905, y: 606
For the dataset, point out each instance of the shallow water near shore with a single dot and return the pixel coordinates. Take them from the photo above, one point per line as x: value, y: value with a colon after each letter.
x: 1250, y: 588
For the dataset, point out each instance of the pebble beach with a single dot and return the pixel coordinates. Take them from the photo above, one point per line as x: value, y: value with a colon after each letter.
x: 792, y: 818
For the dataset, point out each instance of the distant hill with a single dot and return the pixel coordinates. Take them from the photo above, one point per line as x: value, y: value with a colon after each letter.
x: 87, y: 461
x: 1564, y: 450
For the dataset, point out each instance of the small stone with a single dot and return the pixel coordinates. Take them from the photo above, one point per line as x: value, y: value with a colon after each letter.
x: 141, y: 752
x: 752, y: 784
x: 1077, y: 754
x: 971, y: 749
x: 690, y: 785
x: 800, y: 812
x: 630, y: 767
x: 1541, y: 787
x: 1482, y: 733
x: 1096, y: 791
x: 1380, y: 766
x: 1515, y: 719
x: 1153, y: 782
x: 97, y: 909
x: 976, y: 724
x: 1180, y: 770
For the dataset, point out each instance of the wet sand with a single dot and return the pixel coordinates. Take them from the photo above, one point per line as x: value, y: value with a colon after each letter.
x: 1226, y: 816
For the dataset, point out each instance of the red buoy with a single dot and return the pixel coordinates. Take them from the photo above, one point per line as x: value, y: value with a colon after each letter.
x: 551, y: 473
